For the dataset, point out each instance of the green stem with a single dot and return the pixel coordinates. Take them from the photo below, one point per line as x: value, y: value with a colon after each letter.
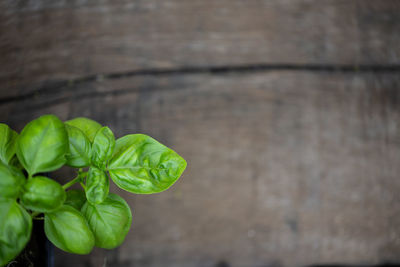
x: 72, y: 182
x: 83, y: 186
x: 77, y: 179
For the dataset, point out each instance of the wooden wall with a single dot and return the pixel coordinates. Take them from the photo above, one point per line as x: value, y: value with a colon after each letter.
x: 287, y: 111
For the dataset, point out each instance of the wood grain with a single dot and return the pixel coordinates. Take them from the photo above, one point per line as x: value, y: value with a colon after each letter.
x: 285, y: 168
x: 42, y: 40
x: 280, y: 163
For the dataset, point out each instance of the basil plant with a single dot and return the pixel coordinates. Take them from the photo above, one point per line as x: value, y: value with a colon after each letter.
x: 75, y: 220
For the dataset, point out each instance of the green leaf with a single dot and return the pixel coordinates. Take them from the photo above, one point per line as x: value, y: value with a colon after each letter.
x: 42, y: 194
x: 75, y: 198
x: 15, y: 229
x: 97, y: 185
x: 14, y: 162
x: 103, y: 147
x: 142, y: 165
x: 11, y: 181
x: 42, y: 145
x: 7, y: 143
x: 79, y: 148
x: 68, y: 230
x: 110, y: 221
x: 87, y: 126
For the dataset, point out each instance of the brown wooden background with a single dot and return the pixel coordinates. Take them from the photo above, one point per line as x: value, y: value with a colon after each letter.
x: 287, y: 111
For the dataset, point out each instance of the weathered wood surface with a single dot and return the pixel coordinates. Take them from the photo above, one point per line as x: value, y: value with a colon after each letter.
x: 42, y: 40
x: 285, y: 169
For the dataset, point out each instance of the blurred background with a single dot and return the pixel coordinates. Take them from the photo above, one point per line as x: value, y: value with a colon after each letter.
x: 287, y: 112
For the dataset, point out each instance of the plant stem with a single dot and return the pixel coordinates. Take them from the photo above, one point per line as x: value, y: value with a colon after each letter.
x: 83, y: 186
x: 78, y: 178
x: 72, y: 182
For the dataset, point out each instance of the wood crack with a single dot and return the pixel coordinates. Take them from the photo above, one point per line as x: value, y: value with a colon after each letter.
x: 55, y: 87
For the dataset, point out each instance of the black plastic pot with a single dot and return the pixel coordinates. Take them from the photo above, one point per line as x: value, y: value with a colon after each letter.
x: 39, y: 252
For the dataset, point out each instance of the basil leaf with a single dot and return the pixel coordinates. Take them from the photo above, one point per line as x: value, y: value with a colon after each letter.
x: 103, y: 147
x: 110, y: 221
x: 142, y: 165
x: 11, y: 181
x: 75, y: 198
x: 87, y: 126
x: 97, y: 185
x: 15, y: 229
x: 42, y: 145
x: 7, y: 143
x: 79, y: 148
x: 14, y: 162
x: 42, y: 194
x: 68, y: 230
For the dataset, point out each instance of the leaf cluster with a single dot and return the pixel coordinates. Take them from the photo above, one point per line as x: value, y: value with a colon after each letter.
x: 75, y: 220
